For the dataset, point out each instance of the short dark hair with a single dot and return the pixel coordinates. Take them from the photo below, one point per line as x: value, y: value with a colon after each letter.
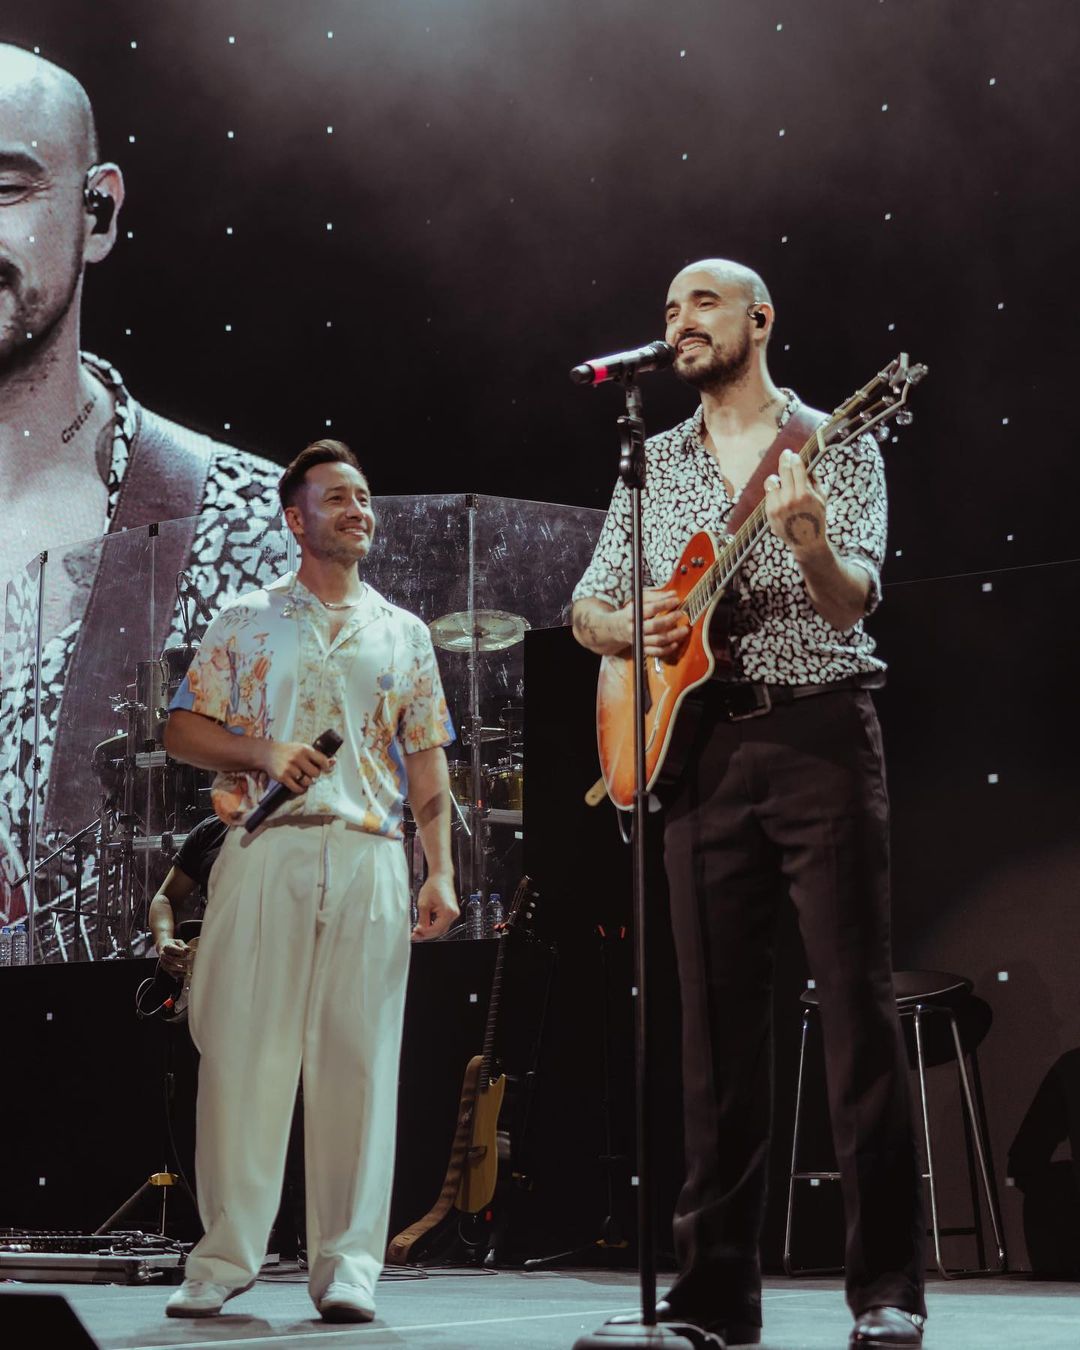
x: 318, y: 452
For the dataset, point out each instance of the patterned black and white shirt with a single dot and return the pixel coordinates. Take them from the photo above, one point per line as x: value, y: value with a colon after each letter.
x: 240, y: 518
x: 778, y: 637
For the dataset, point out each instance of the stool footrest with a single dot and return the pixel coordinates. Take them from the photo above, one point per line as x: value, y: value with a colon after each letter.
x: 815, y: 1176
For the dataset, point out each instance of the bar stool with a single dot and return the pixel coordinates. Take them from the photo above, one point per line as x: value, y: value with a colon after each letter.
x: 921, y: 995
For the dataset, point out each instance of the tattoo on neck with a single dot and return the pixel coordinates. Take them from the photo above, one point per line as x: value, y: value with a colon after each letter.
x: 768, y: 403
x: 84, y: 412
x: 802, y: 528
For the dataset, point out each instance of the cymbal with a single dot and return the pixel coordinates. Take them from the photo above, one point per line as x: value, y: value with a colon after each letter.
x: 494, y: 630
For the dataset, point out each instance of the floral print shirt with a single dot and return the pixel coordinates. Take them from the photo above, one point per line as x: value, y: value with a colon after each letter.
x: 267, y: 667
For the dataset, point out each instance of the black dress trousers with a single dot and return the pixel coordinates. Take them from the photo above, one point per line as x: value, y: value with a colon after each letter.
x: 797, y: 800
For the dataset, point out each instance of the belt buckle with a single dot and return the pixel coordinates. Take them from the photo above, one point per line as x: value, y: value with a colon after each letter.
x: 762, y: 709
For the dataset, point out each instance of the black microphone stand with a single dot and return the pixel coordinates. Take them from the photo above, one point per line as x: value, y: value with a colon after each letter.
x: 623, y: 1335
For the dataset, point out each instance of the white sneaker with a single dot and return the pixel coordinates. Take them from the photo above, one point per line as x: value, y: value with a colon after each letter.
x: 201, y: 1298
x: 346, y: 1303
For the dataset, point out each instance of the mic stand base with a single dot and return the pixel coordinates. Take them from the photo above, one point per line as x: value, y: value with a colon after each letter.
x: 670, y: 1335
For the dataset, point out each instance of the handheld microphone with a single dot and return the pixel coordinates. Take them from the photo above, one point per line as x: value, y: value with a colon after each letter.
x: 328, y: 743
x: 653, y: 356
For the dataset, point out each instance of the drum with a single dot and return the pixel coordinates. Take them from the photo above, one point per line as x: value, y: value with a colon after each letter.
x: 460, y: 771
x: 505, y: 787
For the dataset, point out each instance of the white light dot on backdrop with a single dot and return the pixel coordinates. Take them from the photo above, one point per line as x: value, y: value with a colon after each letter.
x: 991, y: 777
x: 682, y: 53
x: 228, y: 229
x: 884, y: 107
x: 26, y: 433
x: 783, y: 238
x: 329, y: 32
x: 1001, y: 304
x: 37, y: 51
x: 329, y: 422
x: 1004, y: 421
x: 685, y: 155
x: 779, y: 27
x: 888, y: 215
x: 231, y: 135
x: 31, y: 238
x: 329, y: 323
x: 892, y: 328
x: 131, y: 234
x: 1009, y: 538
x: 782, y: 132
x: 226, y: 426
x: 232, y: 41
x: 329, y: 131
x: 987, y: 587
x: 228, y: 328
x: 127, y: 332
x: 1003, y: 977
x: 787, y: 346
x: 899, y: 553
x: 134, y: 45
x: 512, y: 201
x: 131, y: 140
x: 329, y: 224
x: 993, y: 80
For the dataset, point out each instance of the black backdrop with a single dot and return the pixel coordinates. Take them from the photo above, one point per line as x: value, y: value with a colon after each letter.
x: 510, y: 186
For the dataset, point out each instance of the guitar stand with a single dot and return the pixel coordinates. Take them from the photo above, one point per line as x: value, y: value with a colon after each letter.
x: 631, y: 1336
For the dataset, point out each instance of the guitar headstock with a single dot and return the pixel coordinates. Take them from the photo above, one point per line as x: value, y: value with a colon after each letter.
x: 522, y: 909
x: 885, y: 398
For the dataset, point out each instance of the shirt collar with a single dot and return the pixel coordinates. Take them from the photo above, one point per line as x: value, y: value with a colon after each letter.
x: 693, y: 429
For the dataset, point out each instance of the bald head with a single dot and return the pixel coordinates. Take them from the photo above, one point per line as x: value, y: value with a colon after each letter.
x: 51, y: 107
x: 728, y: 274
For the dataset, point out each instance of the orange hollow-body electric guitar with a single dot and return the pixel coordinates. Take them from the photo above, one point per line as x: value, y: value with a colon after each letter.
x: 700, y: 580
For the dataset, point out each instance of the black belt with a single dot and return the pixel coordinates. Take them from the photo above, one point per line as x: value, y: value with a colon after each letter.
x: 738, y: 701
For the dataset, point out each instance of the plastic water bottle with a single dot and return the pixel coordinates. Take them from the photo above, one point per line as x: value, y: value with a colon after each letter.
x: 20, y: 945
x: 474, y: 916
x: 494, y: 914
x: 5, y: 946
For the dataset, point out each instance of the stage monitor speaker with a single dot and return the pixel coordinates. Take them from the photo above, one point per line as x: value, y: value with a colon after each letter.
x: 42, y: 1319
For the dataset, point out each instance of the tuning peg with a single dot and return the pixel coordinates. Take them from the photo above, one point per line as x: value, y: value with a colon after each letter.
x: 881, y: 433
x: 905, y: 417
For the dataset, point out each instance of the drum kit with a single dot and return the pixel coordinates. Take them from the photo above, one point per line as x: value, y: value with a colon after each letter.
x: 487, y: 786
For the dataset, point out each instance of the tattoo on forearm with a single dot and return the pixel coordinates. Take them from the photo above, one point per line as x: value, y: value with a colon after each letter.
x: 802, y: 528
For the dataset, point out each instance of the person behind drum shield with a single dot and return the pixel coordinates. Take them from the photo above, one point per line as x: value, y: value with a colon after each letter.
x: 304, y: 950
x: 784, y: 790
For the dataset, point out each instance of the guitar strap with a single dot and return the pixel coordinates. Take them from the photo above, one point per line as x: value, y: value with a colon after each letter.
x: 793, y: 435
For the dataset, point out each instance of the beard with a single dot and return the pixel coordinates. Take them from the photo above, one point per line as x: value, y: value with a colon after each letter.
x: 33, y: 311
x: 718, y: 368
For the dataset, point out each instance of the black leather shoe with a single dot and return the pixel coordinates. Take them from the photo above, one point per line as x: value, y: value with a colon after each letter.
x: 887, y: 1329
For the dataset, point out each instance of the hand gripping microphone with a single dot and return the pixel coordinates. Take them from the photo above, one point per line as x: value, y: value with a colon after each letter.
x: 654, y: 356
x: 327, y: 744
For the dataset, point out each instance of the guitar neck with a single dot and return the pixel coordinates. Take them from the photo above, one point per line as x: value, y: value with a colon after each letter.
x: 717, y: 577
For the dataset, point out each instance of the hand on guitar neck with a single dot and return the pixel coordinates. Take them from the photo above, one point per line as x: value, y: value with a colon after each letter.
x: 609, y: 632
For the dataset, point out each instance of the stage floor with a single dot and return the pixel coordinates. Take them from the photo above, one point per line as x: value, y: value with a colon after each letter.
x: 512, y: 1310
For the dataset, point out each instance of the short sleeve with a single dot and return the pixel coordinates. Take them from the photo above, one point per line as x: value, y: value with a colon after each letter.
x: 207, y: 687
x: 608, y: 575
x: 857, y: 511
x: 423, y: 718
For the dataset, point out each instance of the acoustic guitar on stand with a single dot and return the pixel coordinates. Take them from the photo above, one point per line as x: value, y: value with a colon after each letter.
x: 701, y: 580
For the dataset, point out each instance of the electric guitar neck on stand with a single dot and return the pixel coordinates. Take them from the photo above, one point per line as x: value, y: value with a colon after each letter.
x: 474, y: 1166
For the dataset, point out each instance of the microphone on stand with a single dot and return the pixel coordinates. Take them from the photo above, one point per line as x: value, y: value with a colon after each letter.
x: 327, y: 744
x: 653, y: 356
x: 193, y: 593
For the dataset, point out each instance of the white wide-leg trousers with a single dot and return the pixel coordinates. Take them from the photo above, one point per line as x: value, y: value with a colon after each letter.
x: 302, y: 960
